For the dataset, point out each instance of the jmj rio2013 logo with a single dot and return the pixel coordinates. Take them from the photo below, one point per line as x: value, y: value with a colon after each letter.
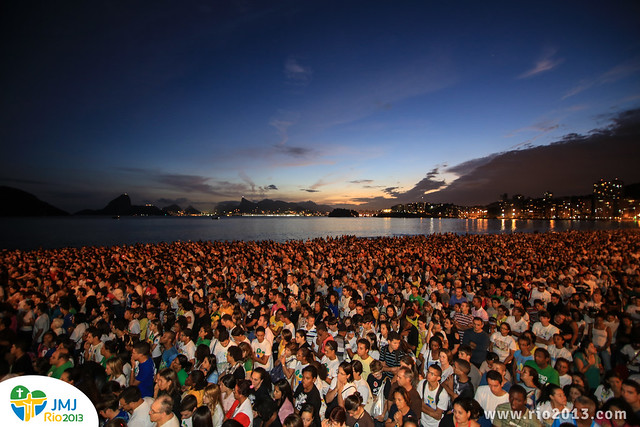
x: 62, y: 402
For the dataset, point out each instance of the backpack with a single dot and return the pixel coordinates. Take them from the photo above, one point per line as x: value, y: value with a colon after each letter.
x: 438, y: 391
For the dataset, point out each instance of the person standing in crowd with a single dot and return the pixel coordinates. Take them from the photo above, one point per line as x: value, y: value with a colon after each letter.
x: 95, y: 312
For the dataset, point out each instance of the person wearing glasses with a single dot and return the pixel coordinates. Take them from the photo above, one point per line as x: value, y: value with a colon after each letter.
x: 161, y: 412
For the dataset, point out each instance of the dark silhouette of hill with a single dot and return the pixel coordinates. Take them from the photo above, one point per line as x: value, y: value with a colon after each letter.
x: 16, y: 202
x: 344, y: 213
x: 121, y: 206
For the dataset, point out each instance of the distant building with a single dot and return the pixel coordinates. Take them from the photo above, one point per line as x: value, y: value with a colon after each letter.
x: 607, y: 189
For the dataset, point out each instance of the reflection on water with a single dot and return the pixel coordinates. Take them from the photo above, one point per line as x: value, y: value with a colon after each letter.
x: 29, y: 233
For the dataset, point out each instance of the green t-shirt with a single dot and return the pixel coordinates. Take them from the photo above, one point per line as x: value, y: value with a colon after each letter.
x: 547, y: 375
x: 182, y: 376
x: 56, y: 371
x: 203, y: 341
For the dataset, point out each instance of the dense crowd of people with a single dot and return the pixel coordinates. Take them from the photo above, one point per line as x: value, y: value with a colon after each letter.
x: 440, y: 330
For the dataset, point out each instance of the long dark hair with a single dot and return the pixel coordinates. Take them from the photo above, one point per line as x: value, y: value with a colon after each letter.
x: 202, y: 417
x: 285, y: 389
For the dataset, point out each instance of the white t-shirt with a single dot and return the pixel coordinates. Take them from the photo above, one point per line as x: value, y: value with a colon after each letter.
x: 489, y: 401
x: 220, y: 352
x: 518, y: 326
x: 556, y: 352
x: 503, y: 345
x: 331, y: 365
x: 189, y: 350
x: 261, y: 349
x: 429, y: 398
x: 544, y: 332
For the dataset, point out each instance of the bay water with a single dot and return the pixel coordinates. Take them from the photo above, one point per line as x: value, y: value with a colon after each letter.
x: 32, y: 233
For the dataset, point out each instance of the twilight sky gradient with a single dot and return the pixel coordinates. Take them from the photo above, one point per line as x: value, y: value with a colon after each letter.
x: 343, y: 103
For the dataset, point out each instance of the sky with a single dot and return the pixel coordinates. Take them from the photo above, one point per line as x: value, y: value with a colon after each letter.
x: 354, y: 104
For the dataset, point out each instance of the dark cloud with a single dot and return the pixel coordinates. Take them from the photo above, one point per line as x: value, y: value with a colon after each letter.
x: 566, y: 167
x: 392, y: 191
x: 471, y: 165
x: 294, y: 151
x: 271, y: 187
x: 190, y: 183
x: 309, y: 190
x: 361, y: 181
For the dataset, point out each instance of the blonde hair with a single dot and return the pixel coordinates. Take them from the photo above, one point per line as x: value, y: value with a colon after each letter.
x: 115, y: 364
x: 214, y: 396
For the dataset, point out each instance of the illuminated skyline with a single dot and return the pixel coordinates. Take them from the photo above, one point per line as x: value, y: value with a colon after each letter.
x: 366, y: 103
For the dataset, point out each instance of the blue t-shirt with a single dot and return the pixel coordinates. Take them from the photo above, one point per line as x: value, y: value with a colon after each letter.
x: 145, y: 376
x: 520, y: 360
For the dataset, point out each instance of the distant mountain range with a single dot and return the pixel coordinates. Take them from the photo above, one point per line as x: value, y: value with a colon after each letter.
x: 270, y: 206
x: 15, y: 202
x: 121, y: 206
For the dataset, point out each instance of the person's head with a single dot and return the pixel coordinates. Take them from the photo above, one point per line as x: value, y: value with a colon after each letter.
x: 494, y: 381
x: 465, y: 409
x: 562, y: 366
x: 631, y: 393
x: 401, y: 398
x: 586, y: 407
x: 107, y: 407
x: 558, y: 340
x: 578, y: 378
x: 545, y: 318
x: 161, y: 409
x: 461, y: 367
x: 478, y: 324
x: 345, y: 372
x: 227, y: 384
x: 141, y: 351
x: 130, y: 398
x: 394, y: 340
x: 234, y: 355
x: 405, y: 377
x: 309, y: 375
x: 529, y: 376
x: 363, y: 348
x: 202, y: 417
x: 242, y: 390
x: 282, y: 391
x: 617, y: 405
x: 293, y: 420
x: 434, y: 374
x: 352, y: 403
x: 556, y: 395
x: 612, y: 381
x: 573, y: 391
x: 211, y: 396
x: 114, y: 367
x: 307, y: 413
x: 259, y: 376
x: 541, y: 357
x: 167, y: 381
x: 337, y: 417
x: 187, y: 406
x: 517, y: 397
